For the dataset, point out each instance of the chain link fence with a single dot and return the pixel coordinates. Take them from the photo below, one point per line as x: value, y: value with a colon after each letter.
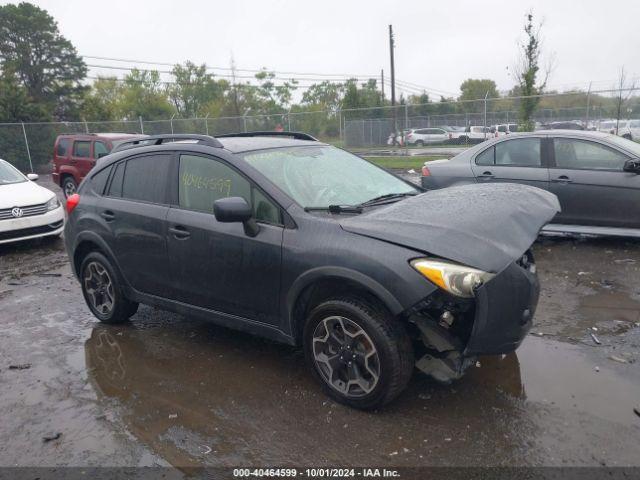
x: 29, y: 146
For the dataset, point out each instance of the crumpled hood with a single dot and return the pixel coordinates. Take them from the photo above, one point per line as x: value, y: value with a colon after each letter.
x: 484, y: 226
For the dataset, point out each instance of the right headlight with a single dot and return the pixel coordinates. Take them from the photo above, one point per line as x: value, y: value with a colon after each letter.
x: 52, y: 204
x: 456, y: 279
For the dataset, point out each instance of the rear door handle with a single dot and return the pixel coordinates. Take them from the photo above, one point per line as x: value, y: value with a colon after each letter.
x: 562, y: 179
x: 180, y: 232
x: 108, y: 215
x: 486, y: 174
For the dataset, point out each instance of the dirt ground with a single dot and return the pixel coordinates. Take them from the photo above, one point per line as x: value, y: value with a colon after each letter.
x: 174, y: 391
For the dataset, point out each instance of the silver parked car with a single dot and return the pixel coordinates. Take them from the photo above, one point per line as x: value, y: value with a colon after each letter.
x: 594, y: 175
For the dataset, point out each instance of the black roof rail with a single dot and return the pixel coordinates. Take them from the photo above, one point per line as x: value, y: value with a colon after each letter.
x: 168, y: 138
x: 294, y: 135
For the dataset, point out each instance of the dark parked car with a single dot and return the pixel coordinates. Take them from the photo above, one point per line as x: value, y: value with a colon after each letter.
x: 301, y: 242
x: 594, y: 175
x: 74, y: 155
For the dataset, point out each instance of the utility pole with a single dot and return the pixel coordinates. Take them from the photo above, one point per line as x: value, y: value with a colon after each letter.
x: 393, y: 80
x: 382, y: 84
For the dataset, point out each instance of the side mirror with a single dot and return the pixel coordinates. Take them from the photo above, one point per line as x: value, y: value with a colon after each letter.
x: 632, y: 166
x: 102, y: 154
x: 236, y: 209
x: 33, y: 177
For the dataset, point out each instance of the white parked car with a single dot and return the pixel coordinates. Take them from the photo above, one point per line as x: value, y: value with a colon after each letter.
x: 629, y: 129
x: 473, y: 134
x: 27, y: 210
x: 423, y: 136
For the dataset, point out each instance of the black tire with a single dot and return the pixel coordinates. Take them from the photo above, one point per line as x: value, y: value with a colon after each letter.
x: 69, y: 186
x: 107, y: 302
x: 419, y: 143
x: 394, y: 352
x: 462, y: 140
x: 627, y: 136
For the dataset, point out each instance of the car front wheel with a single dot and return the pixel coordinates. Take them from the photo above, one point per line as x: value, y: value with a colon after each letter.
x: 102, y: 292
x: 360, y: 354
x: 69, y: 186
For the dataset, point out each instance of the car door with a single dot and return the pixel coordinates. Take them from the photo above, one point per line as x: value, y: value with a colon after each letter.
x: 217, y: 265
x: 134, y: 211
x: 81, y: 157
x: 436, y: 135
x: 593, y: 189
x: 515, y: 160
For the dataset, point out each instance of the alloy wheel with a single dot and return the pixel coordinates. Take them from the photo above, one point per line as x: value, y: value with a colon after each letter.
x: 345, y: 356
x: 69, y: 189
x: 99, y: 288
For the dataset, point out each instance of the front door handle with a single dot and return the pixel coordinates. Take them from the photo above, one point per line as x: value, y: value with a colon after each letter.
x: 562, y: 179
x: 108, y: 215
x: 486, y: 175
x: 180, y: 232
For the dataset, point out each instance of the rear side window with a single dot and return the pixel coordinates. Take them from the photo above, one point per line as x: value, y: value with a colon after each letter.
x: 487, y: 157
x: 82, y: 149
x: 115, y: 188
x: 99, y: 180
x: 63, y: 147
x: 145, y: 178
x: 100, y: 149
x: 522, y: 152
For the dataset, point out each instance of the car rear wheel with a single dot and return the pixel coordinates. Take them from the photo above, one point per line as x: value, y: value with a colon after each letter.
x: 419, y: 143
x: 69, y: 186
x: 360, y: 354
x: 102, y: 292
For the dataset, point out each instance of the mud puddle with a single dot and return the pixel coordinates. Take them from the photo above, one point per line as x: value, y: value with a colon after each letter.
x: 200, y: 395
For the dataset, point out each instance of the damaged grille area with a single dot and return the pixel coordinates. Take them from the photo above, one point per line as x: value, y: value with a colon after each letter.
x: 443, y: 327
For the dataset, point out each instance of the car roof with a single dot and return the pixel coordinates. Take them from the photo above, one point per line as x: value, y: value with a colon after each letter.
x: 246, y: 144
x: 108, y: 136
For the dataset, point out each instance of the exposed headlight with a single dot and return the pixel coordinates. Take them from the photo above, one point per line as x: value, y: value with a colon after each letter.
x: 53, y: 204
x: 456, y: 279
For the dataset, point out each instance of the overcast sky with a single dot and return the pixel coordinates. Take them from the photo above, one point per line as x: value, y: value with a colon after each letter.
x: 438, y: 44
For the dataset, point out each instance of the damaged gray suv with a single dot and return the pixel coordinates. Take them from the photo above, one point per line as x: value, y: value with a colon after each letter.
x: 292, y: 239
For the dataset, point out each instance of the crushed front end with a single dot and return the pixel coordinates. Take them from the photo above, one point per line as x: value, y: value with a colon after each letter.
x: 453, y: 330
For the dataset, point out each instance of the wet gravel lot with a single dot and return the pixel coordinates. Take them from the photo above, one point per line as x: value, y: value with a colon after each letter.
x: 171, y: 390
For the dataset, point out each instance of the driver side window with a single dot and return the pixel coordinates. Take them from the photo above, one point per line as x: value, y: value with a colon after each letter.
x: 203, y: 180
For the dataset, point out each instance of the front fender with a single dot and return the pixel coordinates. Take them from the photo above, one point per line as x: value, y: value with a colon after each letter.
x: 315, y: 274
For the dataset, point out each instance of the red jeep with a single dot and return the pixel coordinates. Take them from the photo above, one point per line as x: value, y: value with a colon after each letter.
x: 75, y: 154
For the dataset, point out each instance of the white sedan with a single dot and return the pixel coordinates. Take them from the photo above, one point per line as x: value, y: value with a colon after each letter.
x: 27, y: 210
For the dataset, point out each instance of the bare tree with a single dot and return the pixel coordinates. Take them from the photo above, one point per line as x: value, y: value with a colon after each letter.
x: 622, y: 98
x: 531, y: 81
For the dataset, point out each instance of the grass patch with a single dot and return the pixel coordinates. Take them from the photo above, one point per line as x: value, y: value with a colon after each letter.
x: 403, y: 162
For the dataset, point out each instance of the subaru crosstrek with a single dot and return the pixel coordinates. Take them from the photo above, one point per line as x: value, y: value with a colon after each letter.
x: 292, y: 239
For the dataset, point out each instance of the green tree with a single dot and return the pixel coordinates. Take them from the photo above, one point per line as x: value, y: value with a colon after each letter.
x: 101, y: 101
x: 527, y: 73
x: 42, y: 60
x: 144, y: 95
x: 195, y: 92
x: 473, y: 91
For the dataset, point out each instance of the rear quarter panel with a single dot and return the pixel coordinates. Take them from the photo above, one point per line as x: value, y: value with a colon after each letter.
x: 456, y: 171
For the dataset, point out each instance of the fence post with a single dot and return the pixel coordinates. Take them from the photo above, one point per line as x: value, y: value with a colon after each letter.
x: 141, y: 125
x: 485, y: 114
x: 171, y: 121
x: 244, y: 122
x: 340, y: 124
x: 86, y: 127
x: 206, y: 123
x: 26, y: 142
x: 406, y: 127
x: 586, y: 122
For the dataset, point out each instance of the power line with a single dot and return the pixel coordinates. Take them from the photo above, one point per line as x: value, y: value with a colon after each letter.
x: 229, y: 69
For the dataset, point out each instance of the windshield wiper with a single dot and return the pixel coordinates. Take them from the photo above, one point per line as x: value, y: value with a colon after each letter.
x: 336, y: 209
x: 385, y: 198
